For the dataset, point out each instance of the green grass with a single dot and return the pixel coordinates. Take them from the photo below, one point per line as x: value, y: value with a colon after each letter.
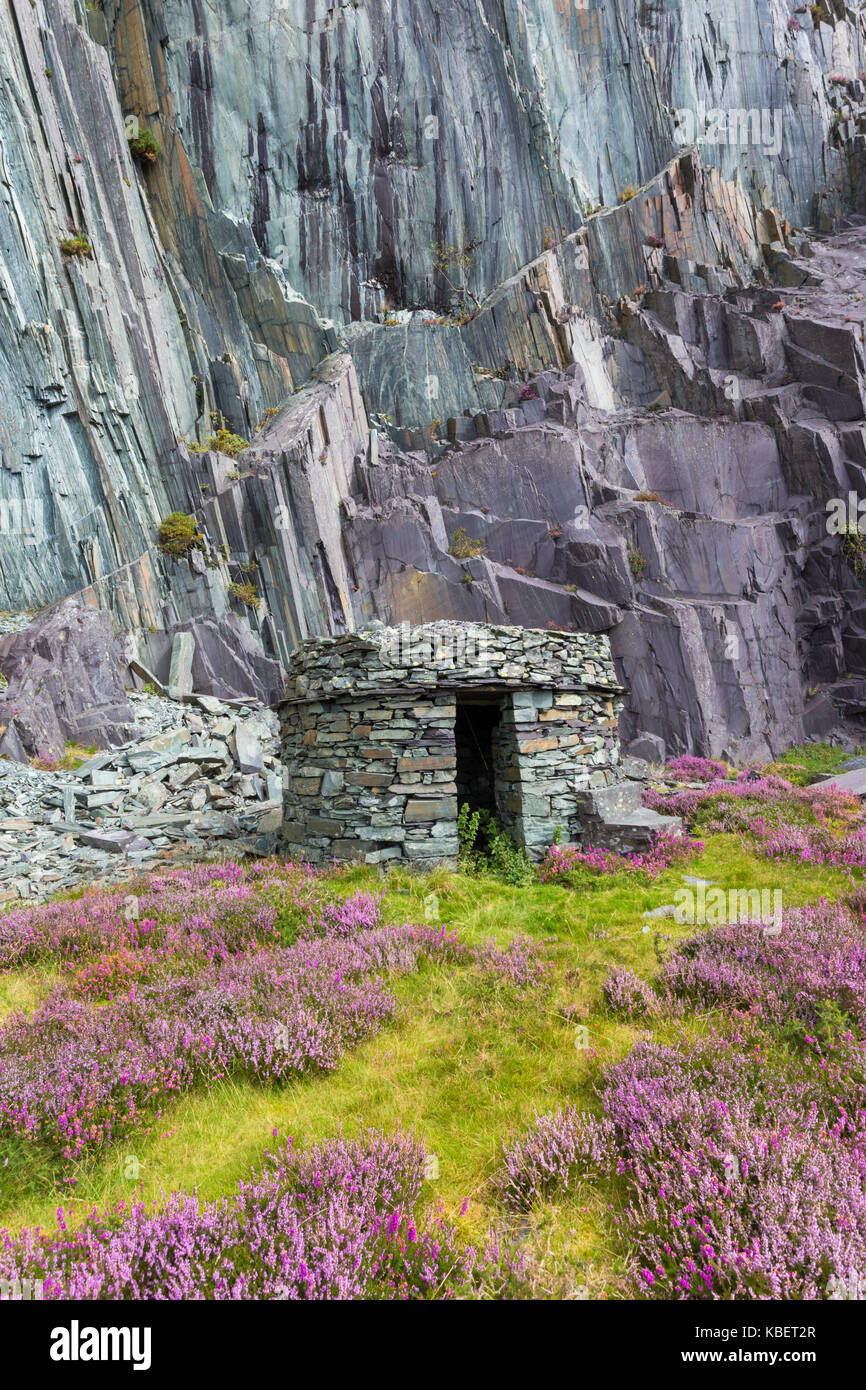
x: 468, y: 1063
x: 811, y: 760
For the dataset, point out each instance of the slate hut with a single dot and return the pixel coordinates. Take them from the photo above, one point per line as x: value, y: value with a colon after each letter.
x: 386, y: 731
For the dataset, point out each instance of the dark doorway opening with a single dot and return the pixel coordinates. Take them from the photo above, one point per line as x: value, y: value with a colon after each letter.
x: 475, y: 732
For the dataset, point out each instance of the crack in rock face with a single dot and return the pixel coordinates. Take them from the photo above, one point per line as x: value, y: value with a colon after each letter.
x: 558, y: 340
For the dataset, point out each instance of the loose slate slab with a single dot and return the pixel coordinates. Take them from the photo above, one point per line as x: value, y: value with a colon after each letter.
x: 113, y: 841
x: 854, y: 782
x: 180, y: 674
x: 247, y: 750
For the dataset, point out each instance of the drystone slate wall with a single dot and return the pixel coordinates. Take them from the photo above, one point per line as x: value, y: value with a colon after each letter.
x: 368, y: 736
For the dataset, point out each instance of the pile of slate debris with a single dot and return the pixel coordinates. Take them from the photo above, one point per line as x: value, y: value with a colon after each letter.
x: 204, y: 778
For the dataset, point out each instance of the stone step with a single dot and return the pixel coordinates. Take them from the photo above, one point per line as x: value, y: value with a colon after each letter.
x: 615, y: 818
x: 612, y: 801
x: 633, y: 831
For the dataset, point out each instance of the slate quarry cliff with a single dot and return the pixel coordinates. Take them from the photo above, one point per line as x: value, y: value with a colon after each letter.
x: 532, y: 313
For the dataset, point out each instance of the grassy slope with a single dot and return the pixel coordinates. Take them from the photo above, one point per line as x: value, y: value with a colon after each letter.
x: 468, y: 1062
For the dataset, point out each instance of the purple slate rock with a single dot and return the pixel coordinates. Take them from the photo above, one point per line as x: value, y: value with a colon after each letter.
x: 649, y: 747
x: 114, y: 841
x: 229, y: 663
x: 66, y: 680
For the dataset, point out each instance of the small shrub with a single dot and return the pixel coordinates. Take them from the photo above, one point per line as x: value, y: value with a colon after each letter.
x: 692, y: 769
x: 467, y: 828
x: 486, y: 848
x: 637, y: 560
x: 448, y: 257
x: 580, y: 868
x: 223, y: 442
x: 247, y: 593
x: 650, y: 497
x: 465, y: 547
x: 628, y: 193
x: 179, y: 534
x: 76, y: 245
x: 854, y: 550
x: 628, y: 996
x: 143, y: 146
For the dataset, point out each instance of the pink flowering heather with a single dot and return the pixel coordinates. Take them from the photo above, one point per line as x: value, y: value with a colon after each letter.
x: 558, y: 1152
x: 78, y: 1076
x: 520, y: 962
x: 809, y: 976
x: 336, y: 1222
x: 721, y: 807
x: 810, y: 844
x: 628, y: 996
x: 563, y: 860
x: 742, y: 1179
x: 691, y: 769
x: 112, y: 972
x: 212, y: 920
x: 198, y: 990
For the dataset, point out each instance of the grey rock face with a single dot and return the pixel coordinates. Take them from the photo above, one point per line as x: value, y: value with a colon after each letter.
x: 555, y: 310
x: 346, y: 144
x: 109, y: 357
x: 703, y: 519
x: 180, y: 672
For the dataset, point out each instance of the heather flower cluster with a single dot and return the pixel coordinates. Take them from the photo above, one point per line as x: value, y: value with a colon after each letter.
x: 211, y: 911
x: 197, y: 990
x: 809, y: 978
x: 563, y: 861
x: 520, y: 963
x: 336, y: 1222
x: 629, y: 996
x: 742, y: 1179
x: 810, y: 844
x: 691, y: 769
x: 733, y: 806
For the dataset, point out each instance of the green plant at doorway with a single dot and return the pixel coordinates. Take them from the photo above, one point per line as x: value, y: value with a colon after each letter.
x: 487, y: 848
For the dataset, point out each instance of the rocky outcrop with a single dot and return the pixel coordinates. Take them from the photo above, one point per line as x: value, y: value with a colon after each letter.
x: 65, y: 683
x: 694, y: 526
x: 227, y: 663
x: 546, y: 241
